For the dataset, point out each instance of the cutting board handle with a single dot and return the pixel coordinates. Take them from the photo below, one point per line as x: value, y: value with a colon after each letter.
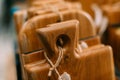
x: 64, y: 34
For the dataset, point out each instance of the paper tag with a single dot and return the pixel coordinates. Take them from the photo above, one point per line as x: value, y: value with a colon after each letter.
x: 65, y: 76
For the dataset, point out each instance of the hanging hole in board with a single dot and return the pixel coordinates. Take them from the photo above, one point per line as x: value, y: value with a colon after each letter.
x: 62, y: 41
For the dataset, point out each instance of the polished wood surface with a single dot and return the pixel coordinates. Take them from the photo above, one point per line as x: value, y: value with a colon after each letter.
x: 38, y: 55
x: 20, y: 17
x: 41, y: 25
x: 29, y: 40
x: 82, y: 61
x: 36, y: 58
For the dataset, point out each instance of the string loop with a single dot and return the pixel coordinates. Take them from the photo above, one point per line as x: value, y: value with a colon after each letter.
x: 54, y: 66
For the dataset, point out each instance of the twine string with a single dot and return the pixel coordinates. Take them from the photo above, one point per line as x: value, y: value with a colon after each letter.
x: 54, y: 66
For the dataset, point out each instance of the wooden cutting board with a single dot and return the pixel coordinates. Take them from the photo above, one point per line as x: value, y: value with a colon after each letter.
x: 28, y: 30
x: 29, y: 41
x: 77, y: 64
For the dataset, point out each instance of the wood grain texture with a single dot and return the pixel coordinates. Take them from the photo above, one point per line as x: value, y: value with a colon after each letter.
x: 91, y: 65
x: 38, y: 55
x: 29, y: 40
x: 88, y: 63
x: 20, y: 17
x: 67, y: 31
x: 35, y: 59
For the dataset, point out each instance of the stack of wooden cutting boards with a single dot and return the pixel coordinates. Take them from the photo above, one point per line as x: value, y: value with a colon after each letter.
x: 58, y: 41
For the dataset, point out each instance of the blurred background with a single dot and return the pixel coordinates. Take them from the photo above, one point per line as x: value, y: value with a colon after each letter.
x: 9, y: 60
